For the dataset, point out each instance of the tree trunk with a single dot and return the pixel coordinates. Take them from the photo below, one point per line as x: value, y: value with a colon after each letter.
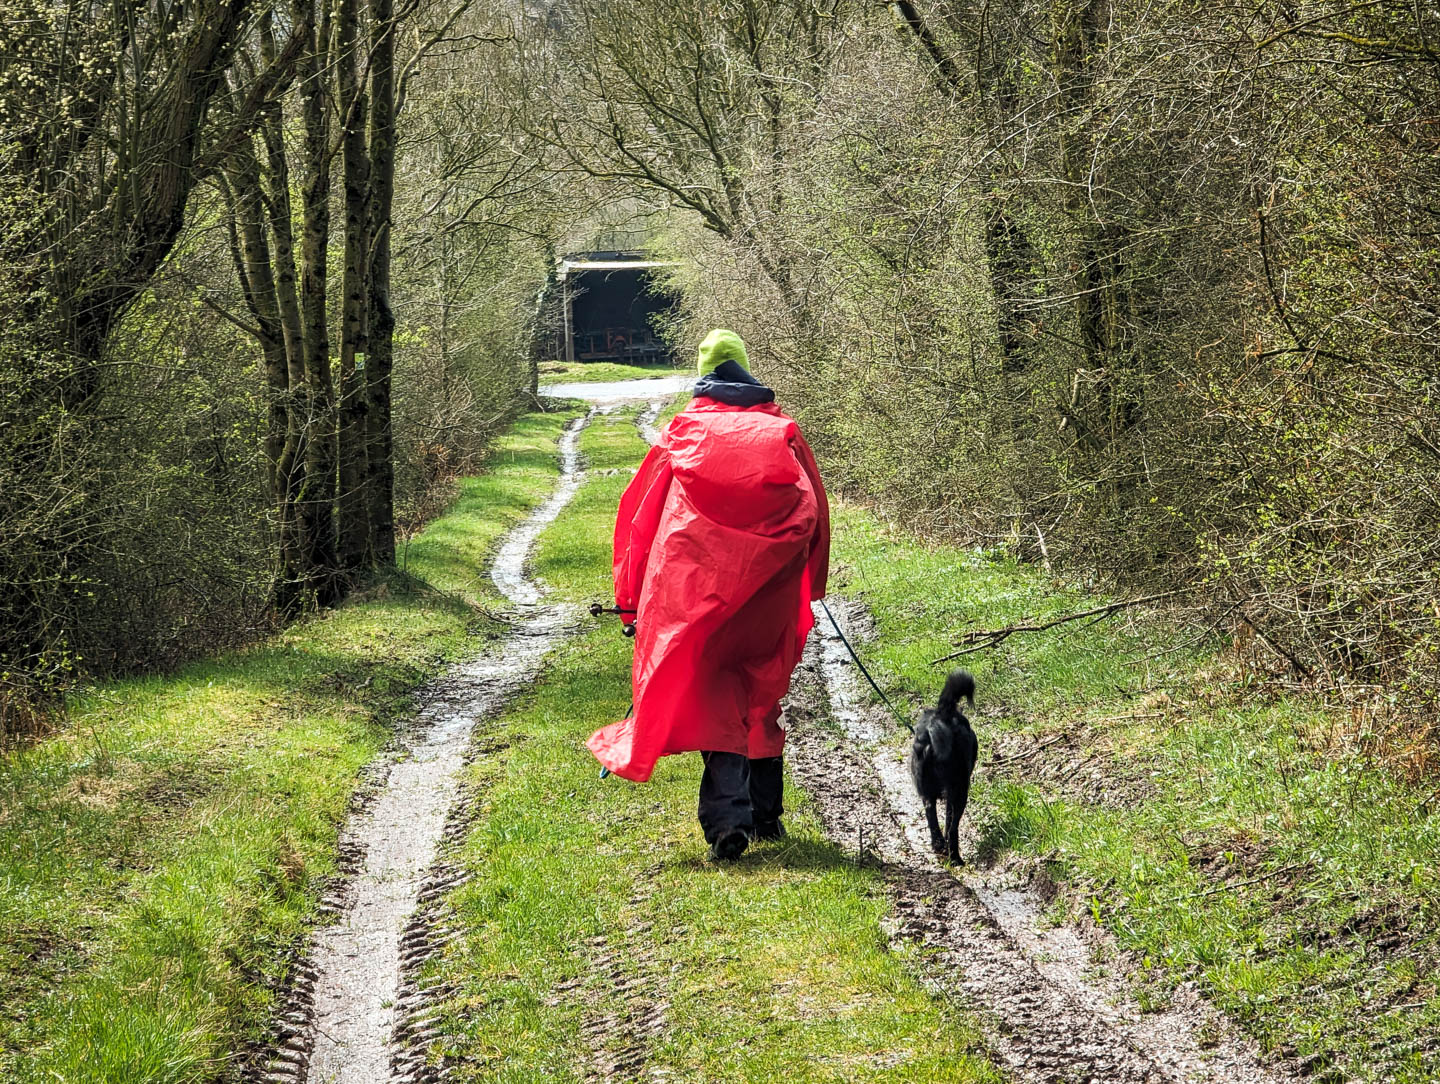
x: 381, y: 481
x: 157, y: 167
x: 1008, y: 250
x: 317, y: 493
x: 352, y: 506
x: 290, y: 468
x: 251, y: 251
x: 1102, y: 289
x: 291, y: 465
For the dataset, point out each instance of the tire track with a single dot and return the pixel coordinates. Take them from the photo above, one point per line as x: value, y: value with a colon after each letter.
x: 645, y: 421
x: 622, y: 971
x: 624, y: 977
x: 1048, y: 1015
x: 355, y: 1013
x: 619, y: 1043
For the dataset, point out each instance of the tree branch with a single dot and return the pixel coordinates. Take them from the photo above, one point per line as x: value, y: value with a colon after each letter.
x: 980, y: 639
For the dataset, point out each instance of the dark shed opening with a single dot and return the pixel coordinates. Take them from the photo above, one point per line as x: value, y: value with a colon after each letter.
x: 610, y: 301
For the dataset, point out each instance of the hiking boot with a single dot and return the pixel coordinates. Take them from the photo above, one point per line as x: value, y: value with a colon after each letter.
x: 767, y: 830
x: 730, y: 846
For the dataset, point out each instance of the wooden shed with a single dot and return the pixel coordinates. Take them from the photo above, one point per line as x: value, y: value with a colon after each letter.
x: 608, y: 304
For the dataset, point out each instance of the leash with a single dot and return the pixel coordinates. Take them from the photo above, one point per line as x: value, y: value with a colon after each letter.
x: 838, y: 632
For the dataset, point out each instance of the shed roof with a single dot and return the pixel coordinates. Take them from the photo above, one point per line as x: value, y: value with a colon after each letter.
x: 568, y: 266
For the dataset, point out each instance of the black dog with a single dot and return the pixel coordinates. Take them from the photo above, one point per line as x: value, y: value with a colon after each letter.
x: 943, y: 759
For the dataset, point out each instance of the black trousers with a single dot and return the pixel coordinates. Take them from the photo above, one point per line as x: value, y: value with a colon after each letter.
x: 736, y: 792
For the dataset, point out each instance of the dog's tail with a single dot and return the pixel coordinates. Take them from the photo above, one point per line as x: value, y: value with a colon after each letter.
x: 960, y: 685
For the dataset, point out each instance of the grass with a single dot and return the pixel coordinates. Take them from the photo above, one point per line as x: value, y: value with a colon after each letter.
x: 1224, y: 834
x: 595, y: 920
x: 160, y: 854
x: 452, y: 553
x: 162, y: 851
x: 567, y: 561
x: 590, y: 372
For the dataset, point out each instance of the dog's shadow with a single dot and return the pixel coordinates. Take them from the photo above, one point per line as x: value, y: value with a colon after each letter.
x: 791, y: 853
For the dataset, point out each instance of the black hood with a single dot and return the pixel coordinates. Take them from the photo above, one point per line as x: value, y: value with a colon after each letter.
x: 731, y: 383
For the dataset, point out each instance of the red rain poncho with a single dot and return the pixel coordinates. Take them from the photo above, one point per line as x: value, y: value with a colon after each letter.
x: 721, y: 543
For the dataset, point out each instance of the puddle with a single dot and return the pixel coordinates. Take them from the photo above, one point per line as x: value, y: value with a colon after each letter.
x: 661, y: 387
x: 645, y: 421
x: 508, y: 571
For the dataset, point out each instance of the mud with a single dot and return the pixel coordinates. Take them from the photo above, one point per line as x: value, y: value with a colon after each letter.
x: 509, y: 571
x: 1052, y: 1009
x: 645, y: 421
x: 357, y: 1009
x: 623, y: 978
x: 355, y: 1013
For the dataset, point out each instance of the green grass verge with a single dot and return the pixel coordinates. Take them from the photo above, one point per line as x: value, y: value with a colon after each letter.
x: 452, y: 553
x: 591, y: 372
x: 567, y: 560
x: 1224, y: 835
x: 162, y: 850
x: 595, y: 919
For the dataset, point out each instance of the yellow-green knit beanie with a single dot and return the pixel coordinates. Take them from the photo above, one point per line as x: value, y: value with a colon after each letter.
x: 719, y: 346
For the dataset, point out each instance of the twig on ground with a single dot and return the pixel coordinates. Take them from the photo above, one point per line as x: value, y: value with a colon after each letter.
x: 1132, y: 716
x: 1239, y: 884
x: 980, y: 639
x: 1005, y: 762
x: 1074, y: 769
x: 1276, y: 646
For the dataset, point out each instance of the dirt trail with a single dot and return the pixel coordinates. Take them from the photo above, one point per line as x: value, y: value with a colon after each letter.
x: 351, y: 1015
x: 357, y: 960
x: 1050, y: 1011
x: 658, y: 387
x: 645, y: 421
x: 357, y: 1015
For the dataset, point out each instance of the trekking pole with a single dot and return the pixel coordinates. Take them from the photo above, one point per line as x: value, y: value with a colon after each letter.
x: 626, y: 629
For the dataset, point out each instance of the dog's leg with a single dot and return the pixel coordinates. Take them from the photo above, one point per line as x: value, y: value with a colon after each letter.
x: 937, y: 841
x: 956, y: 799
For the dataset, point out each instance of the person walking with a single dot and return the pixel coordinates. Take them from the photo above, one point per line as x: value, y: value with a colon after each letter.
x: 722, y: 541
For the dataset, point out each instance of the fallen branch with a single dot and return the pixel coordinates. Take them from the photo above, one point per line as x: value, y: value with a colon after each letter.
x: 1016, y: 758
x: 1239, y: 884
x: 980, y: 639
x: 1276, y: 646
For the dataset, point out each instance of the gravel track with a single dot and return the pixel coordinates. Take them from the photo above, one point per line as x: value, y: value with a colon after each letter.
x: 355, y: 1011
x: 1051, y: 1011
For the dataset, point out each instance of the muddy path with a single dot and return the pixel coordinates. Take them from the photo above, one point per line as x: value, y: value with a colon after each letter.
x: 354, y: 1013
x: 1052, y: 1005
x: 358, y: 960
x: 358, y: 1012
